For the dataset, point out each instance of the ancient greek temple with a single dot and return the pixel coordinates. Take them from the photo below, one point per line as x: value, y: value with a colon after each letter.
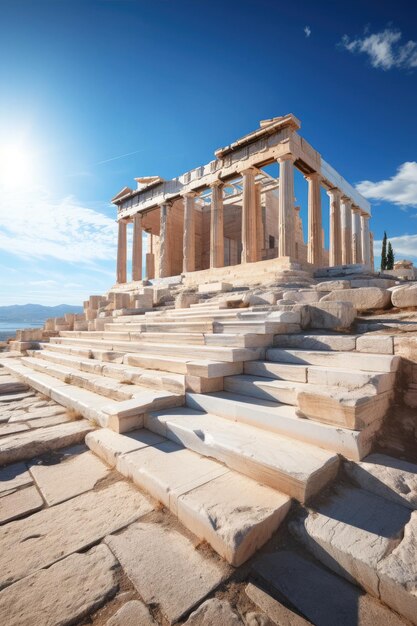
x: 232, y: 212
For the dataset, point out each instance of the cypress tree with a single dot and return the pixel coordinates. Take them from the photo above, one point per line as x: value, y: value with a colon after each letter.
x: 384, y: 253
x: 390, y: 257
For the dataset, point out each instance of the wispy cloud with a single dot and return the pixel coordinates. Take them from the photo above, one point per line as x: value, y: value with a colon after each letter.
x: 401, y: 189
x: 384, y: 49
x: 43, y: 283
x: 33, y: 224
x: 121, y: 156
x: 404, y: 246
x: 307, y: 31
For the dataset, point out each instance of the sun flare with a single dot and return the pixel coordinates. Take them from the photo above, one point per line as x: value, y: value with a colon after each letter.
x: 17, y: 165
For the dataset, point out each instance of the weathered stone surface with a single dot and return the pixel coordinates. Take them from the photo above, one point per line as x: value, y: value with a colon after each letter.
x: 63, y: 593
x: 133, y: 613
x: 322, y: 597
x: 331, y: 315
x: 13, y: 477
x: 214, y: 612
x: 304, y: 296
x: 39, y: 413
x: 351, y: 532
x: 12, y: 429
x: 109, y: 445
x: 51, y: 534
x: 380, y: 344
x: 321, y: 341
x: 214, y: 287
x: 36, y: 442
x: 165, y: 567
x: 406, y: 347
x: 398, y: 574
x: 405, y: 296
x: 388, y: 477
x: 333, y: 285
x: 70, y: 478
x: 183, y: 300
x: 277, y: 612
x: 234, y: 514
x: 19, y: 503
x: 362, y: 299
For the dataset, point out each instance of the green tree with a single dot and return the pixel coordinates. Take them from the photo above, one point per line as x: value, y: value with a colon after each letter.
x: 390, y: 257
x: 384, y: 253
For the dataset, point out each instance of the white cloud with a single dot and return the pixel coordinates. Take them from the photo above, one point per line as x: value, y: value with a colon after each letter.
x: 43, y: 283
x: 34, y: 225
x: 401, y: 189
x: 384, y: 49
x: 307, y: 31
x: 405, y: 247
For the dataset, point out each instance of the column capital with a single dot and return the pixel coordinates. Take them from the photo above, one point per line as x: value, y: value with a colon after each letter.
x: 167, y: 203
x: 313, y: 176
x: 365, y: 215
x: 355, y: 209
x: 334, y: 192
x: 190, y: 194
x: 217, y: 182
x: 286, y: 157
x: 250, y: 170
x: 346, y: 199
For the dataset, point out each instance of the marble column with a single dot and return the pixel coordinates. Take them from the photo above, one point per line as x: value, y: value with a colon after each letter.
x: 249, y: 239
x: 335, y: 244
x: 164, y: 261
x: 188, y: 240
x: 137, y: 248
x: 150, y: 258
x: 216, y: 225
x: 356, y: 235
x: 259, y: 222
x: 286, y: 230
x: 121, y: 252
x: 371, y: 251
x: 366, y: 250
x: 315, y: 239
x: 346, y: 210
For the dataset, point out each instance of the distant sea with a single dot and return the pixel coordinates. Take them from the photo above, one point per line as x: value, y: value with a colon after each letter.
x: 8, y: 329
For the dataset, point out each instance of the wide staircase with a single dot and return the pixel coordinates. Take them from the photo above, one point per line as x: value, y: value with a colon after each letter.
x: 208, y: 405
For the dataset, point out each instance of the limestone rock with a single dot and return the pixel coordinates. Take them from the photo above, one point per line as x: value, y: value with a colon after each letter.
x: 19, y: 503
x: 183, y: 300
x: 13, y: 477
x: 380, y: 344
x: 405, y: 297
x: 165, y: 567
x: 214, y: 611
x: 331, y: 315
x: 51, y: 534
x: 304, y: 296
x: 133, y: 613
x: 62, y: 594
x: 333, y: 285
x: 363, y: 298
x: 277, y: 612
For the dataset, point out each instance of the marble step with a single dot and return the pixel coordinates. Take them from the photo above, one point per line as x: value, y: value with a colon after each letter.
x: 368, y: 540
x: 197, y: 490
x: 117, y: 371
x: 84, y: 352
x: 217, y: 353
x: 161, y: 326
x: 286, y: 420
x: 293, y: 467
x: 319, y: 375
x: 355, y: 360
x: 149, y: 337
x: 285, y: 392
x: 317, y: 341
x: 117, y: 415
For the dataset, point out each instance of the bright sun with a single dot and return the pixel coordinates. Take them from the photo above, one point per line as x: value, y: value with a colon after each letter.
x: 17, y: 165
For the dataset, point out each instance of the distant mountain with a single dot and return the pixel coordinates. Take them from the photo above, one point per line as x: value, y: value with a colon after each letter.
x: 35, y: 312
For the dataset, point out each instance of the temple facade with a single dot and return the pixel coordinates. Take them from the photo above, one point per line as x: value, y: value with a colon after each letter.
x: 233, y: 212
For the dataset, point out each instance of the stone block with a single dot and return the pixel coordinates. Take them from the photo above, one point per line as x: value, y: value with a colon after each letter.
x: 184, y: 300
x: 331, y: 315
x: 304, y: 296
x: 19, y: 504
x: 267, y: 297
x: 186, y: 577
x: 197, y: 384
x: 160, y: 294
x: 214, y: 287
x: 109, y: 445
x: 382, y: 283
x: 65, y: 593
x: 276, y: 612
x: 378, y: 344
x: 363, y: 298
x: 14, y: 477
x: 133, y: 613
x: 94, y: 302
x: 332, y: 285
x: 214, y: 612
x: 406, y: 347
x: 29, y: 334
x: 405, y: 297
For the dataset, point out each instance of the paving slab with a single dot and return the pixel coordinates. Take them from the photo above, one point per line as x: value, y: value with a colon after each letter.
x: 276, y: 612
x: 38, y: 441
x: 11, y: 429
x: 322, y: 597
x: 165, y: 567
x: 133, y: 613
x: 62, y: 594
x: 20, y: 504
x: 351, y: 532
x: 214, y: 611
x: 51, y: 534
x: 13, y: 477
x: 39, y: 413
x: 388, y: 477
x: 109, y: 445
x: 44, y: 422
x: 398, y: 574
x: 71, y: 477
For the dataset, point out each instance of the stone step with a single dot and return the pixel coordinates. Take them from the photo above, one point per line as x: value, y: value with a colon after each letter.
x: 354, y: 360
x: 318, y: 375
x: 197, y: 490
x: 117, y: 415
x: 149, y: 337
x: 228, y: 354
x: 285, y: 392
x: 84, y: 352
x: 317, y: 341
x: 286, y: 420
x: 293, y: 467
x: 161, y: 326
x: 149, y: 378
x: 368, y: 540
x: 244, y: 340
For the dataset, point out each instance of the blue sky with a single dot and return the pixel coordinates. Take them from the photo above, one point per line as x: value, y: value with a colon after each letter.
x: 82, y: 83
